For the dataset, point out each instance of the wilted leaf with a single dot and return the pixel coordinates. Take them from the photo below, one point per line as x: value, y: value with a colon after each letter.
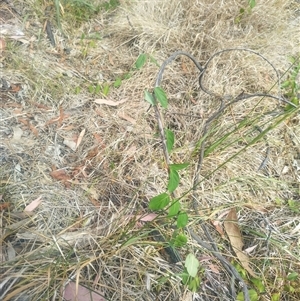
x: 4, y: 206
x: 127, y: 117
x: 131, y: 151
x: 58, y: 119
x: 73, y: 292
x: 192, y: 265
x: 109, y: 102
x: 61, y: 116
x: 80, y: 138
x: 250, y: 249
x: 217, y: 225
x: 71, y: 143
x: 33, y: 129
x: 256, y: 207
x: 17, y: 133
x: 214, y: 268
x: 2, y: 44
x: 34, y: 204
x: 61, y: 175
x: 233, y: 231
x: 148, y: 218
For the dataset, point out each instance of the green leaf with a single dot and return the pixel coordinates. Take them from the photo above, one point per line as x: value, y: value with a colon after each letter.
x: 258, y: 283
x: 294, y: 206
x: 153, y: 60
x: 252, y: 4
x: 178, y: 166
x: 141, y: 60
x: 149, y: 98
x: 194, y: 284
x: 91, y: 89
x: 77, y: 90
x: 285, y: 84
x: 174, y: 209
x: 292, y: 276
x: 97, y: 89
x: 118, y: 82
x: 182, y: 220
x: 252, y: 294
x: 179, y: 241
x: 170, y: 140
x: 131, y: 241
x: 159, y: 202
x: 275, y: 297
x: 161, y: 96
x: 127, y: 75
x: 295, y: 101
x: 105, y: 89
x: 185, y: 277
x: 173, y: 180
x: 192, y: 265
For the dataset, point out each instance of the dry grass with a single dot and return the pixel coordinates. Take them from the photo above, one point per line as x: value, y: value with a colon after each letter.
x: 85, y: 228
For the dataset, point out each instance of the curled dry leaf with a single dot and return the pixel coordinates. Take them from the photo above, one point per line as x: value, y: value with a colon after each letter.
x: 256, y: 207
x: 109, y: 102
x: 4, y: 206
x: 127, y: 118
x: 17, y: 133
x: 80, y: 137
x: 250, y: 249
x: 233, y: 231
x: 34, y: 204
x: 71, y: 143
x: 61, y: 175
x: 143, y: 218
x: 218, y: 227
x: 147, y: 218
x: 33, y: 129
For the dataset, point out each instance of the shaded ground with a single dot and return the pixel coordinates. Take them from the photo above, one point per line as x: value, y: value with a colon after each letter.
x: 96, y: 164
